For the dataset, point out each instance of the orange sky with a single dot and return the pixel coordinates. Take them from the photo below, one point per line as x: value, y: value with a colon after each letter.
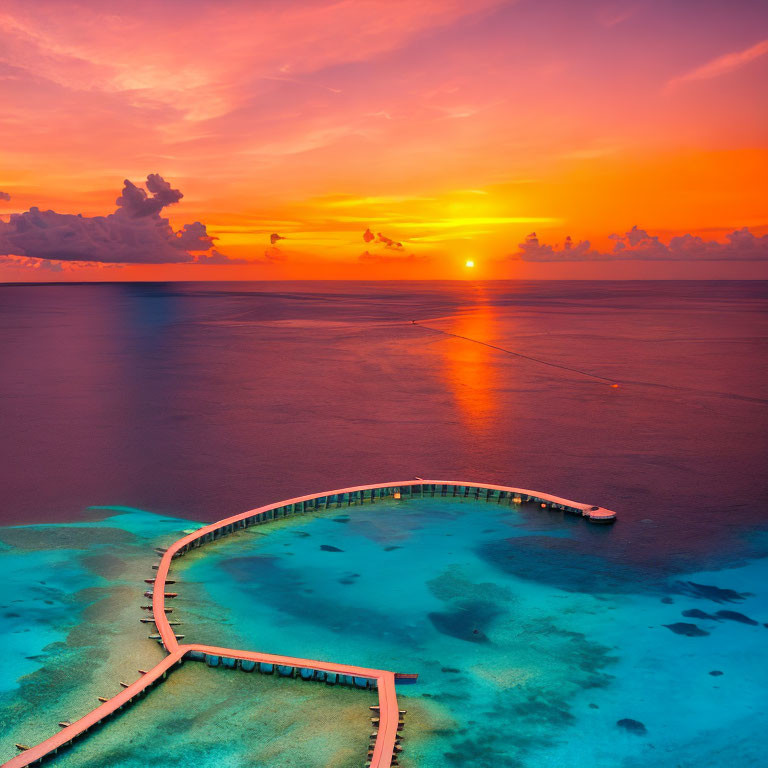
x: 454, y: 129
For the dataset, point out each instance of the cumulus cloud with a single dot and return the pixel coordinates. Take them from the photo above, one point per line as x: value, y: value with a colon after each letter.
x: 135, y: 233
x: 135, y: 202
x: 637, y: 244
x: 4, y: 196
x: 368, y: 235
x: 366, y: 257
x: 274, y: 237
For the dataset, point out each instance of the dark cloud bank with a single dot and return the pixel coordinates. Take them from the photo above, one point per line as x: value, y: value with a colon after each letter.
x: 135, y: 233
x: 637, y: 244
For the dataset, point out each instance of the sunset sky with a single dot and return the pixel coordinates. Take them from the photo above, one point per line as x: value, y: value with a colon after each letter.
x: 454, y: 129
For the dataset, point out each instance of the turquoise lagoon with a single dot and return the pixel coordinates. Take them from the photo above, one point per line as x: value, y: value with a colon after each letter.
x: 539, y: 640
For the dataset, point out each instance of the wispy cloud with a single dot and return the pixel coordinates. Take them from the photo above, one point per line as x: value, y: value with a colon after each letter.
x: 615, y: 13
x: 472, y: 221
x: 722, y: 65
x: 366, y: 257
x: 351, y: 202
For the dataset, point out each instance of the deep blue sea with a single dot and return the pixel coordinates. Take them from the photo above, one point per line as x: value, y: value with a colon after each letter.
x: 133, y: 412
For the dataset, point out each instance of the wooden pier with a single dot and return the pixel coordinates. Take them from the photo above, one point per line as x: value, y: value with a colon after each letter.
x: 386, y: 745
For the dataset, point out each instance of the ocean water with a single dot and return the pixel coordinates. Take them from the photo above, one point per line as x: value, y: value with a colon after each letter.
x: 534, y: 634
x: 513, y: 670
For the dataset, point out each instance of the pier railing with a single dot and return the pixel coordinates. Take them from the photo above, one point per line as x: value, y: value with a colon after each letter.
x: 360, y: 494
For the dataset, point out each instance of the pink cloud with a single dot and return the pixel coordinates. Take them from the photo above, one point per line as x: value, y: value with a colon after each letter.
x: 722, y: 65
x: 144, y: 52
x: 4, y: 196
x: 637, y: 244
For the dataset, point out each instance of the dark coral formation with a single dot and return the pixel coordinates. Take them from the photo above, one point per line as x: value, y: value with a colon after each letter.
x: 736, y: 616
x: 708, y: 592
x: 633, y: 726
x: 689, y: 630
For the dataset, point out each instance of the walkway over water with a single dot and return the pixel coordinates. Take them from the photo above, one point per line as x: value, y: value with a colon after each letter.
x: 383, y: 753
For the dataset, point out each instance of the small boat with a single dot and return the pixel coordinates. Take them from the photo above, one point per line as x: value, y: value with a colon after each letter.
x: 125, y: 685
x: 102, y: 699
x: 64, y: 724
x: 146, y: 621
x: 175, y: 594
x: 22, y: 747
x: 142, y: 671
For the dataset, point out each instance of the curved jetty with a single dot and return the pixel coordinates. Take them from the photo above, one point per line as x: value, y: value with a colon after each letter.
x: 386, y: 740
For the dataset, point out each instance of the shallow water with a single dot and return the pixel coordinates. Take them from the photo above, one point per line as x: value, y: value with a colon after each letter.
x: 69, y: 609
x: 214, y: 717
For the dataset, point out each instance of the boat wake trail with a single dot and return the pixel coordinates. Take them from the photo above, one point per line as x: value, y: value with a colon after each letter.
x: 578, y: 371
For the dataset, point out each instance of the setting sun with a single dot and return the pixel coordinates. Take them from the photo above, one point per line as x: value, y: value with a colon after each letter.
x: 469, y: 263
